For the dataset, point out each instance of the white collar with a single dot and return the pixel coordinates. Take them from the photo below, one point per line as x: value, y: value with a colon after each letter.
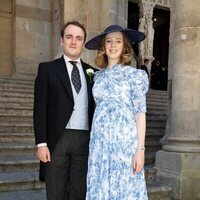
x: 67, y: 59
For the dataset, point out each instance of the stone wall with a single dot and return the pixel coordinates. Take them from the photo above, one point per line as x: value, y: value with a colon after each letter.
x: 33, y: 34
x: 95, y: 15
x: 31, y: 28
x: 6, y: 13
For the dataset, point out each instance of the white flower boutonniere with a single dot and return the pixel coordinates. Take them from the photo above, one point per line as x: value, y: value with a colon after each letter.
x: 90, y: 73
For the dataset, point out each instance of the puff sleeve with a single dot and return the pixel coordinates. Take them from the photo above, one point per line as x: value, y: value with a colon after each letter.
x: 139, y: 85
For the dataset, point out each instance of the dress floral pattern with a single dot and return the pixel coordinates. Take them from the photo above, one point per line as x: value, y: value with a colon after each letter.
x: 119, y: 94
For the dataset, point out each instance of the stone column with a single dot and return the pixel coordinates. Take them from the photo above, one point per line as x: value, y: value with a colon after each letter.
x: 57, y: 24
x: 146, y: 26
x: 179, y: 161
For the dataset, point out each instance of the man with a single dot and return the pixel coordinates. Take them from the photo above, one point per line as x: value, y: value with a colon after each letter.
x: 156, y: 71
x: 144, y: 66
x: 63, y: 109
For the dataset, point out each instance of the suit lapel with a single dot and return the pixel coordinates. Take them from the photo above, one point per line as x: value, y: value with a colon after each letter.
x: 61, y: 70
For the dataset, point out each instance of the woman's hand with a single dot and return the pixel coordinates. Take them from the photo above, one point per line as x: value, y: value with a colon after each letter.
x: 138, y: 161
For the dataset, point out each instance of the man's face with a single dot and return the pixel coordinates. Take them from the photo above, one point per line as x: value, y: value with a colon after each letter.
x: 73, y: 41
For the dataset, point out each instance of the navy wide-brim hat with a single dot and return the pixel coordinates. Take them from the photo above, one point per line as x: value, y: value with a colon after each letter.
x: 133, y: 35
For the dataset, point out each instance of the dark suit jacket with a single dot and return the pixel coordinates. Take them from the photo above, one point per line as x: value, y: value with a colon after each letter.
x: 53, y: 101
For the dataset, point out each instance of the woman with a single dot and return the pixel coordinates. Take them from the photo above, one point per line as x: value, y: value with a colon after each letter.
x: 116, y: 157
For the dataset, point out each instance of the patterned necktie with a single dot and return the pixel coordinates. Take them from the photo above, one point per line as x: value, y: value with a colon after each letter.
x: 75, y: 77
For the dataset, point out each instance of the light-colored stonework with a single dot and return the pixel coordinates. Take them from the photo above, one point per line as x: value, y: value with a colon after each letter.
x: 6, y: 40
x: 179, y: 162
x: 34, y: 28
x: 33, y: 34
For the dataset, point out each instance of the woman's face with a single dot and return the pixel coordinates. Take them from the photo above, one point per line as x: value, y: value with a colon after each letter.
x: 114, y: 44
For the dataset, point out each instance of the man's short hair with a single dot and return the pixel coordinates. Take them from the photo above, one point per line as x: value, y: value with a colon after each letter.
x: 75, y: 23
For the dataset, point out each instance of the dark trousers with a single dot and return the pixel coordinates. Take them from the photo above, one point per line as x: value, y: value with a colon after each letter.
x: 65, y: 176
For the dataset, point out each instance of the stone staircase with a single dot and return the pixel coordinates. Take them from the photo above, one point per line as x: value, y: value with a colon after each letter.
x: 156, y: 122
x: 18, y: 162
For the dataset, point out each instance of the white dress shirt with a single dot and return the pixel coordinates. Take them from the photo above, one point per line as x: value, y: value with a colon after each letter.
x: 79, y: 117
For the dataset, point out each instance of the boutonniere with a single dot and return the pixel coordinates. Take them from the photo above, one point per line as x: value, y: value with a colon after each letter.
x: 90, y: 73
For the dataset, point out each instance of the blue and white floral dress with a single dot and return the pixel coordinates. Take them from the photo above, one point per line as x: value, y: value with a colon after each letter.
x: 119, y: 94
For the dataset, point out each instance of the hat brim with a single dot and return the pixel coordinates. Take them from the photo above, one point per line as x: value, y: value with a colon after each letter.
x: 133, y: 35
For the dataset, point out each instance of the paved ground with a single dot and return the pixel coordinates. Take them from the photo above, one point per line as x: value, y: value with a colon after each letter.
x: 23, y: 195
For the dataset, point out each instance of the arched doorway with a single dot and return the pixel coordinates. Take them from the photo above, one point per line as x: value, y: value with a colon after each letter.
x: 161, y: 24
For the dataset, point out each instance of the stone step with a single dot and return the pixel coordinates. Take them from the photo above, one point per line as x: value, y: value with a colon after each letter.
x: 17, y: 117
x: 23, y: 127
x: 8, y: 107
x: 16, y: 105
x: 155, y: 117
x: 17, y: 87
x: 154, y: 121
x: 150, y: 158
x: 13, y: 89
x: 15, y: 181
x: 156, y: 124
x: 10, y: 94
x: 25, y: 76
x: 152, y: 146
x: 158, y: 191
x: 153, y: 101
x: 15, y: 81
x: 14, y: 149
x: 156, y: 98
x: 22, y: 100
x: 27, y: 115
x: 19, y: 163
x: 157, y: 111
x: 160, y: 92
x: 153, y: 135
x: 156, y: 104
x: 25, y: 112
x: 156, y: 108
x: 27, y: 138
x: 37, y: 194
x: 150, y: 173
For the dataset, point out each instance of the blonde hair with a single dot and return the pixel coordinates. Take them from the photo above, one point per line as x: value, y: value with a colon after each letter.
x: 101, y: 59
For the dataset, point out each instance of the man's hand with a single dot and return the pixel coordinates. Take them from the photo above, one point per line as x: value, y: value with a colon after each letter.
x: 43, y: 154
